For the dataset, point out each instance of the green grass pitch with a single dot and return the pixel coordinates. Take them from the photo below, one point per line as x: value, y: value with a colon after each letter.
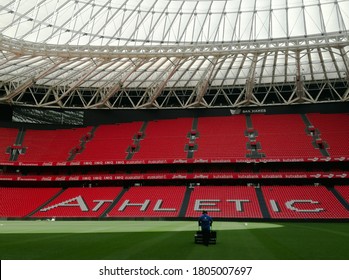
x: 166, y: 240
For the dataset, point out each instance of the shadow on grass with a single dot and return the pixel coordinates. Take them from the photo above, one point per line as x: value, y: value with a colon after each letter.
x: 284, y: 243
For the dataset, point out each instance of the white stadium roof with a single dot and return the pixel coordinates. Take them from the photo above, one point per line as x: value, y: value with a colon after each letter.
x: 173, y: 53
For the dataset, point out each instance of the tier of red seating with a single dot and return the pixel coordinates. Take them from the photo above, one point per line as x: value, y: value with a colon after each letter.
x: 224, y: 202
x: 148, y: 201
x: 306, y: 202
x: 20, y: 202
x: 222, y: 137
x: 283, y: 136
x: 109, y: 142
x: 80, y: 202
x: 283, y: 202
x: 165, y: 139
x: 278, y: 137
x: 50, y: 145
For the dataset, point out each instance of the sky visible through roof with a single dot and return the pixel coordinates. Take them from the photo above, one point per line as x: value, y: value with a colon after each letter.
x: 168, y: 22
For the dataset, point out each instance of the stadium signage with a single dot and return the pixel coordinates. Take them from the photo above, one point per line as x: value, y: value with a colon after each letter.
x: 272, y: 176
x: 221, y: 161
x: 136, y: 162
x: 270, y: 160
x: 293, y: 206
x: 203, y: 204
x: 149, y: 206
x: 179, y: 176
x: 201, y: 161
x: 77, y: 202
x: 174, y: 161
x: 134, y: 177
x: 26, y: 179
x: 201, y: 176
x: 156, y: 177
x: 340, y: 159
x: 157, y: 161
x: 245, y: 160
x: 169, y: 176
x: 247, y: 176
x: 28, y: 164
x: 295, y: 176
x: 293, y: 160
x: 253, y: 111
x: 223, y: 176
x: 7, y: 179
x: 46, y: 178
x: 145, y: 205
x: 180, y: 161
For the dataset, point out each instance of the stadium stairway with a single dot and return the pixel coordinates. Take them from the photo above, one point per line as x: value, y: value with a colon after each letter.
x: 249, y: 123
x: 18, y: 146
x: 317, y: 142
x: 112, y: 205
x: 192, y: 146
x: 195, y: 124
x: 185, y: 202
x: 80, y: 148
x: 322, y: 146
x: 135, y: 147
x: 306, y: 120
x: 20, y: 137
x: 338, y: 196
x: 252, y: 145
x: 262, y: 203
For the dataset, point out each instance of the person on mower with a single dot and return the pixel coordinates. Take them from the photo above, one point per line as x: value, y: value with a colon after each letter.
x: 205, y: 222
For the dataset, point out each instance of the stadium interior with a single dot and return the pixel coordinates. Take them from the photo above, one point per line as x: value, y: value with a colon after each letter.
x: 163, y: 109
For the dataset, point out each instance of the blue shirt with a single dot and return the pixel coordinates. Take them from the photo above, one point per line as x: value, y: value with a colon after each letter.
x: 205, y: 221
